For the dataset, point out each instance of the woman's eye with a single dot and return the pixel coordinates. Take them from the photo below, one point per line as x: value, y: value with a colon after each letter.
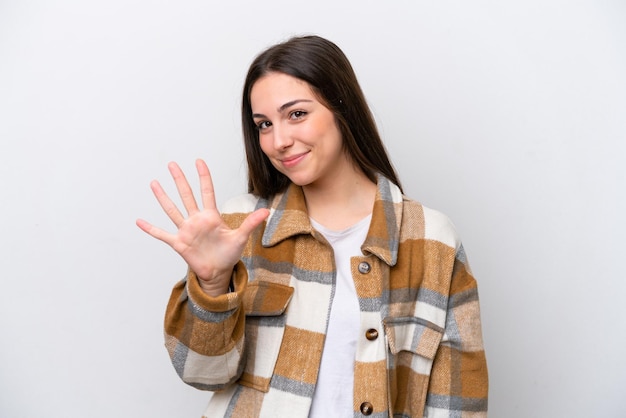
x: 263, y: 125
x: 297, y: 114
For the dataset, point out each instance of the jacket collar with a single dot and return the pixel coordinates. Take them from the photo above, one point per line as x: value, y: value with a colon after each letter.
x: 289, y: 217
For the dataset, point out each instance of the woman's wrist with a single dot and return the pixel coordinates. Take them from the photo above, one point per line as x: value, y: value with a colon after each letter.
x: 216, y: 286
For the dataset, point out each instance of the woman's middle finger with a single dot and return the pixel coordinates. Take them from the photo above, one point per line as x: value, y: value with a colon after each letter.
x: 206, y: 186
x: 184, y: 190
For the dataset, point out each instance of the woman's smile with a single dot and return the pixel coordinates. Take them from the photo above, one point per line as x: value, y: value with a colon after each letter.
x: 293, y: 160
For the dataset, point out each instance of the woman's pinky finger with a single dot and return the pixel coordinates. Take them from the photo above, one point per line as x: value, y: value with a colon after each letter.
x: 155, y: 232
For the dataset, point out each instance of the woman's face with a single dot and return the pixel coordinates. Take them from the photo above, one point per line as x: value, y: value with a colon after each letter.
x: 296, y: 131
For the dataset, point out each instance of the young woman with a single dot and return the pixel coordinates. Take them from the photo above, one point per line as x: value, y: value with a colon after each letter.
x: 324, y: 292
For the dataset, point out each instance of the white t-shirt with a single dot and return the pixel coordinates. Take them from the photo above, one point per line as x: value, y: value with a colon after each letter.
x: 335, y: 384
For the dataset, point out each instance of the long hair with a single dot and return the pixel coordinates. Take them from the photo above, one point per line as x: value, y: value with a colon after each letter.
x: 328, y: 72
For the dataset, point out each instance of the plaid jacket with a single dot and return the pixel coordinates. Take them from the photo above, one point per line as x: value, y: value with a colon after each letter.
x: 259, y: 347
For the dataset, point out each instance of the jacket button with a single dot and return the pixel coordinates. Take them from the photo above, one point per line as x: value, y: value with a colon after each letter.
x: 371, y: 334
x: 364, y: 267
x: 367, y: 408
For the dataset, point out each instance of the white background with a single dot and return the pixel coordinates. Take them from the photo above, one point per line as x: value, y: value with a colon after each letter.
x: 510, y: 117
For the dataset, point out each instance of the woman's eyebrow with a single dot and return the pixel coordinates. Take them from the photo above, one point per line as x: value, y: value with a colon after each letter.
x: 291, y: 103
x: 283, y: 107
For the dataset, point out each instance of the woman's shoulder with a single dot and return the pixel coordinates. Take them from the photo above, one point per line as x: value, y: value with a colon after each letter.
x: 244, y: 203
x: 434, y: 224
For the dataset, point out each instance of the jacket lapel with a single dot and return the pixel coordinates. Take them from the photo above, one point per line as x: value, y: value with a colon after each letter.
x: 289, y: 217
x: 383, y: 236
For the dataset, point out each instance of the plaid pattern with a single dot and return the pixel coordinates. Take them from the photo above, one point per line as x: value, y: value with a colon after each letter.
x: 259, y: 347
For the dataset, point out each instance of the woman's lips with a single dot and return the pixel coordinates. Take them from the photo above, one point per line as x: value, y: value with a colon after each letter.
x: 293, y: 160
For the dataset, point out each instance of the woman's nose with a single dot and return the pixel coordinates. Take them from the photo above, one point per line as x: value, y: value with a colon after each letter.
x: 282, y: 138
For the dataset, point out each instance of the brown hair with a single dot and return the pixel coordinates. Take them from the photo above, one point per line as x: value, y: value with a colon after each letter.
x: 328, y: 72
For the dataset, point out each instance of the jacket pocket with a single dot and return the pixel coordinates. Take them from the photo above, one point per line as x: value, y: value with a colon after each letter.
x: 266, y: 298
x: 264, y: 304
x: 413, y: 335
x: 412, y: 346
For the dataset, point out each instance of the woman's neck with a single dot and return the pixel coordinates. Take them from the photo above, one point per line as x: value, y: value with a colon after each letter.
x: 343, y: 202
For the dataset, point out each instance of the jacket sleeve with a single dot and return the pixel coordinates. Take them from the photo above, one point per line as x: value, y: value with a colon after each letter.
x: 204, y: 336
x: 459, y: 380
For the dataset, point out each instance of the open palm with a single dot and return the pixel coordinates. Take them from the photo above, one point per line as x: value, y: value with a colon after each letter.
x: 203, y: 239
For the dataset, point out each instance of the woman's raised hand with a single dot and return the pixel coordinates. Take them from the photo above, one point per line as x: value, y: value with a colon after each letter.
x: 206, y: 243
